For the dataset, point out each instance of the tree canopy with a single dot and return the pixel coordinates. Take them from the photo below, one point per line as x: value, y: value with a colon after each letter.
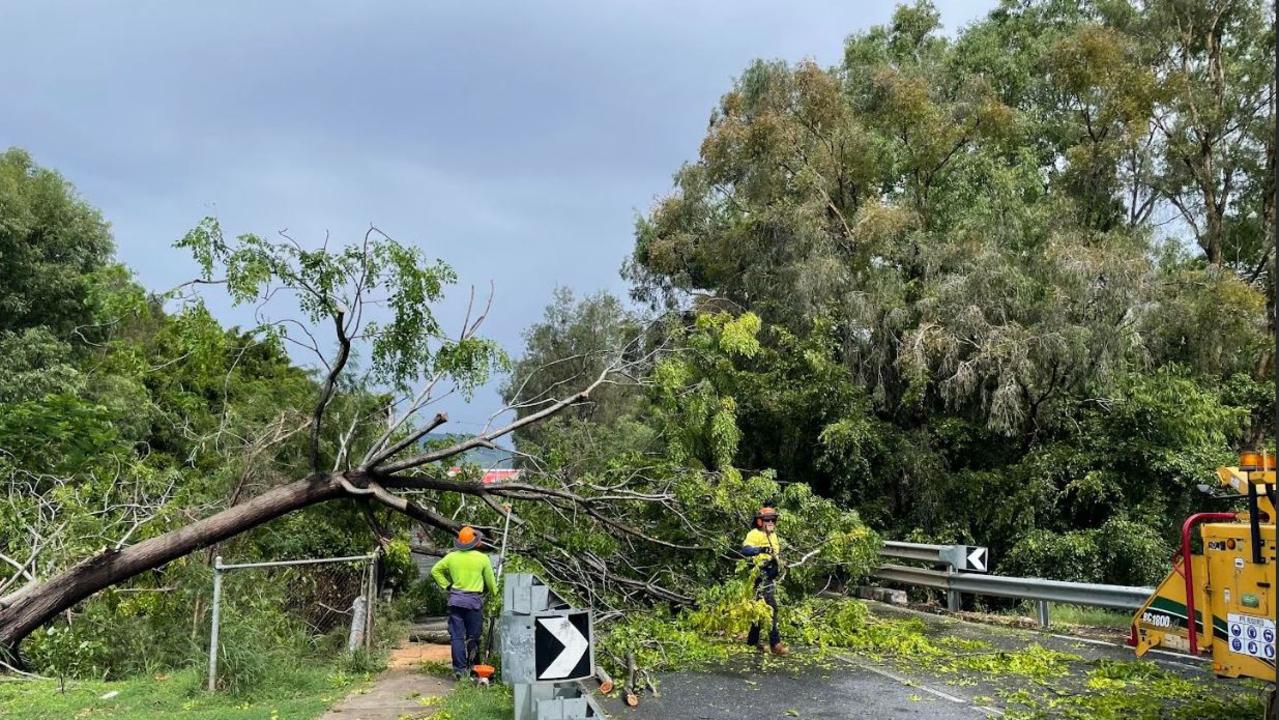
x: 1034, y: 258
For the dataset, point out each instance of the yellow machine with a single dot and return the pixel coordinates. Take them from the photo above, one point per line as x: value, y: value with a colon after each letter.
x: 1228, y: 588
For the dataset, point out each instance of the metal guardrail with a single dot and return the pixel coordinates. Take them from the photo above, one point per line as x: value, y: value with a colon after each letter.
x: 916, y: 551
x: 932, y: 554
x: 1114, y: 597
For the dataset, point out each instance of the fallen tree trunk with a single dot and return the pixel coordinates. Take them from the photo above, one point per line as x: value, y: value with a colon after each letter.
x: 23, y: 612
x: 35, y: 605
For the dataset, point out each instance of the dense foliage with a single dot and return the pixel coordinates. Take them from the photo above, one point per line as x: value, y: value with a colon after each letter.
x: 120, y: 420
x: 1011, y: 283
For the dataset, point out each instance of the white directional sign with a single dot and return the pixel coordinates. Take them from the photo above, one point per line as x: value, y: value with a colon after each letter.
x: 965, y: 558
x: 562, y: 646
x: 975, y: 559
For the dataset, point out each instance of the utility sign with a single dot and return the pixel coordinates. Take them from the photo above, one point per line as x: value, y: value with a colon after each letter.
x: 975, y: 560
x: 562, y: 646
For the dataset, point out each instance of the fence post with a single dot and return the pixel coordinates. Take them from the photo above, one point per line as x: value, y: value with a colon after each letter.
x: 356, y: 638
x: 371, y: 594
x: 1041, y: 607
x: 213, y: 634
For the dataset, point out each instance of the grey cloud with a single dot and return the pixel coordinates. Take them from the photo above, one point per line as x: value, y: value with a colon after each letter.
x: 515, y: 140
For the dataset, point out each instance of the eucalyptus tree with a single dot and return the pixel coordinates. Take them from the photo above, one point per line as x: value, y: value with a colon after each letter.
x: 1003, y: 232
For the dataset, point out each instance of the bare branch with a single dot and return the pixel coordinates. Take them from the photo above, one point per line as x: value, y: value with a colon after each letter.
x: 330, y: 386
x: 438, y: 420
x: 375, y: 491
x: 480, y: 440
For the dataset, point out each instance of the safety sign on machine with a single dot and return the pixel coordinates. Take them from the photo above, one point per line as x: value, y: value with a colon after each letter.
x: 1252, y: 636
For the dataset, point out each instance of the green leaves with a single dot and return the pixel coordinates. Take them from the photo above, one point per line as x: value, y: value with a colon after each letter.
x: 51, y: 244
x: 402, y: 350
x: 974, y: 317
x: 341, y: 288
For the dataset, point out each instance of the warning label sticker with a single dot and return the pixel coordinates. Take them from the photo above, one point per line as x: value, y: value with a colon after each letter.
x: 1251, y: 635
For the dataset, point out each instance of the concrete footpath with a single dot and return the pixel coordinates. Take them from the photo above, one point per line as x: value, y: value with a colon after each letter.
x: 401, y: 691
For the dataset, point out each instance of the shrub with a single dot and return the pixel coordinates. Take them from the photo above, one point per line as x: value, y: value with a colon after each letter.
x: 1120, y: 552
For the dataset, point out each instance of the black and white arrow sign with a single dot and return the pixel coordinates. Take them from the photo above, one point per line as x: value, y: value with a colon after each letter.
x: 975, y: 559
x: 562, y: 646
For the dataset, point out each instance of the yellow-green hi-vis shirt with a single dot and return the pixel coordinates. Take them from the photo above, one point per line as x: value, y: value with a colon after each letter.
x: 760, y: 539
x: 771, y: 544
x: 465, y: 570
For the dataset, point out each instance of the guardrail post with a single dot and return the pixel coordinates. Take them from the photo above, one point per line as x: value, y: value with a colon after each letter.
x: 954, y: 601
x: 1041, y: 608
x: 213, y: 633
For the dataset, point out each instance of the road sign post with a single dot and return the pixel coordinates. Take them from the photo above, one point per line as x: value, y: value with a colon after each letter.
x: 547, y: 648
x: 962, y: 558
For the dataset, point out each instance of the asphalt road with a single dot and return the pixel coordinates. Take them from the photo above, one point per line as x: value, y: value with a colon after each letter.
x: 829, y: 695
x: 852, y: 686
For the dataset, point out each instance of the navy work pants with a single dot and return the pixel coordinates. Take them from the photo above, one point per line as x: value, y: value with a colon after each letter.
x: 774, y: 637
x: 465, y: 625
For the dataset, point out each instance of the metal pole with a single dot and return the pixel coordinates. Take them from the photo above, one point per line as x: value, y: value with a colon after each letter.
x: 1041, y: 607
x: 213, y: 633
x: 368, y: 612
x: 287, y: 563
x: 955, y: 601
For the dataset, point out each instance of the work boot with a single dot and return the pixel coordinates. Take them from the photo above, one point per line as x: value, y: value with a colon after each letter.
x: 780, y: 650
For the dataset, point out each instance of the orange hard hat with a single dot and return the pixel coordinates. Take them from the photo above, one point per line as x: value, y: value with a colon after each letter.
x: 467, y: 538
x: 765, y: 513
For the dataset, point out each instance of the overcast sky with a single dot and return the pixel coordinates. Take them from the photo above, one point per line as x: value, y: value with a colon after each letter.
x: 518, y: 141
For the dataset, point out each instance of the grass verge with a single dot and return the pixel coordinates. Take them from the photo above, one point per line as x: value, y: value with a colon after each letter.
x: 470, y: 702
x: 293, y: 693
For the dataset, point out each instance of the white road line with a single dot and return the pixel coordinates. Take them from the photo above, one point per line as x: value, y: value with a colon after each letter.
x: 912, y: 684
x: 904, y: 681
x: 1090, y: 641
x: 1174, y: 658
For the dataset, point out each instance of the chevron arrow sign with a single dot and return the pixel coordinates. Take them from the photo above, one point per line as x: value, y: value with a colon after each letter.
x: 975, y: 559
x: 562, y: 645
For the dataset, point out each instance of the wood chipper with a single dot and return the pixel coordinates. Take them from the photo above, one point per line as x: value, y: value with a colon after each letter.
x: 1221, y: 600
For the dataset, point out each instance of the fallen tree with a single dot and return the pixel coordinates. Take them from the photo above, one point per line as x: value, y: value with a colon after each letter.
x: 617, y: 529
x: 411, y: 357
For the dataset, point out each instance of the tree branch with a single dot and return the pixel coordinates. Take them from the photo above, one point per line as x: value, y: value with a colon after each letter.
x: 330, y: 386
x: 439, y: 419
x: 481, y: 440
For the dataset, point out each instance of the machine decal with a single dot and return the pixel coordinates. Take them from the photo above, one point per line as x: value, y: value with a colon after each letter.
x: 1252, y: 636
x: 1163, y: 607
